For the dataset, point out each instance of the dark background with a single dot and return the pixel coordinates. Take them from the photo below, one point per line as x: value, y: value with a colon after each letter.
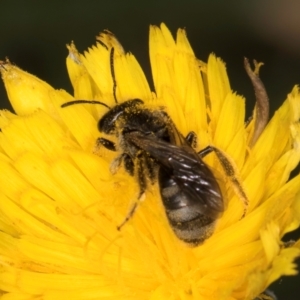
x: 33, y: 35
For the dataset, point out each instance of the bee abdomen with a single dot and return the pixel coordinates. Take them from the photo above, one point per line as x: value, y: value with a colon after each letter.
x: 187, y: 222
x: 190, y: 227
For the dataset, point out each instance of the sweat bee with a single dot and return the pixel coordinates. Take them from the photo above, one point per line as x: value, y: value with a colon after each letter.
x: 152, y: 149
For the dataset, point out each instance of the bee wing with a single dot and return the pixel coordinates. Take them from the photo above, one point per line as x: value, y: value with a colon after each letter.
x: 186, y: 168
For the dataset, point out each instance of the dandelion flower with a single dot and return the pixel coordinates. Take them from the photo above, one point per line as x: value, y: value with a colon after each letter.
x: 61, y: 205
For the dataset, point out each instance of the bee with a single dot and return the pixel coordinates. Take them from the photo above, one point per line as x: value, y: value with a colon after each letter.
x: 153, y: 149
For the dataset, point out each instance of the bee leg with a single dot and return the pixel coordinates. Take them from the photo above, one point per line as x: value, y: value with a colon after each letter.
x: 124, y: 157
x: 128, y: 164
x: 141, y: 165
x: 230, y: 171
x: 127, y: 161
x: 150, y: 167
x: 191, y: 139
x: 106, y: 143
x: 202, y: 153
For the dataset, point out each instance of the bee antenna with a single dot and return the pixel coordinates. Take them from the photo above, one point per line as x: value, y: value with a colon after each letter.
x: 113, y: 75
x: 84, y: 101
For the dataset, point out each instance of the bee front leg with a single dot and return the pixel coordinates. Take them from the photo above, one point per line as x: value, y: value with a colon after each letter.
x: 106, y: 143
x: 124, y: 157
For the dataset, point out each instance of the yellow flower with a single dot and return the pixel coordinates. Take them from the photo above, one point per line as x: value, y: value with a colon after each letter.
x: 60, y: 204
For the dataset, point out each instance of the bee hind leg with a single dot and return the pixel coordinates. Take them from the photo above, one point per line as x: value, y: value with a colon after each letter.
x: 202, y: 153
x: 191, y: 139
x: 230, y: 171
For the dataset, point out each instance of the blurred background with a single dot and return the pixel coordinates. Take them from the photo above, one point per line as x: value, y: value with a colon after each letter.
x: 33, y: 34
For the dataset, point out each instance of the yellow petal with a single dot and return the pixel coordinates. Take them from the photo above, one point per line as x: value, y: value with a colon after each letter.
x: 84, y: 86
x: 177, y: 80
x: 218, y: 86
x: 26, y: 92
